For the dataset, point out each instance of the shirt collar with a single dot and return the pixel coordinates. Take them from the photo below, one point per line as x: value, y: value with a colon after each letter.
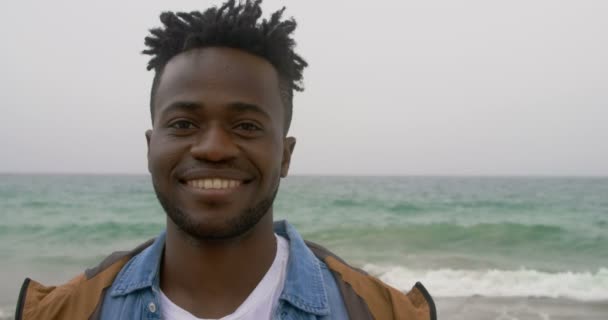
x: 304, y: 284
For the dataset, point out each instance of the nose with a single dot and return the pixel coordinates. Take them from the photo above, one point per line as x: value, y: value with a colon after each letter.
x: 214, y: 145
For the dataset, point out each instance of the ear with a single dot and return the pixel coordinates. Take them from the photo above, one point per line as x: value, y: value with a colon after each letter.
x: 148, y: 137
x: 288, y: 145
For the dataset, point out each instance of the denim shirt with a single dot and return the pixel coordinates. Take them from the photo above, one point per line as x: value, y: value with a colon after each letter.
x: 310, y: 291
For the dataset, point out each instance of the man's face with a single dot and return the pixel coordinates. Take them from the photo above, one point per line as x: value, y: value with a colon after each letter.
x: 217, y: 149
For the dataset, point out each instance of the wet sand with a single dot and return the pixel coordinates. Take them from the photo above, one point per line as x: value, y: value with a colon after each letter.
x: 490, y: 308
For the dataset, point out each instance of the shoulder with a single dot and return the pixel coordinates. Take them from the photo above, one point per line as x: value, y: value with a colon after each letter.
x: 367, y: 297
x: 77, y: 299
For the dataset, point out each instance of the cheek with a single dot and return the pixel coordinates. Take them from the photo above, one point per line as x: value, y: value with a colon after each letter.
x: 163, y: 156
x: 273, y: 158
x: 265, y: 156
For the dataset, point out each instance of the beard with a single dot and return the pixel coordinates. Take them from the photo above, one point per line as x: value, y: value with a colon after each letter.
x: 232, y: 227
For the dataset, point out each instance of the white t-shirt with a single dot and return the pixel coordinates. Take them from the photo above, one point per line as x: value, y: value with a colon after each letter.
x: 259, y: 305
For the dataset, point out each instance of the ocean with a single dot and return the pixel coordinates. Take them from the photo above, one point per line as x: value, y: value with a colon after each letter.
x: 484, y: 247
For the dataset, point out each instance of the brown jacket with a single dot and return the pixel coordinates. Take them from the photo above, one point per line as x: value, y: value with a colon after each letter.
x: 365, y: 296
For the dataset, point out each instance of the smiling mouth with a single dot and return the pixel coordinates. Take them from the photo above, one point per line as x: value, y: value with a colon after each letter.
x: 214, y: 184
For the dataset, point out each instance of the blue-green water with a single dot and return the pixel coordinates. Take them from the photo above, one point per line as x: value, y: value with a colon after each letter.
x: 461, y: 236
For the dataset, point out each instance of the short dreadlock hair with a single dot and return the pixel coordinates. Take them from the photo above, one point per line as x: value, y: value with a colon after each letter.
x: 235, y: 25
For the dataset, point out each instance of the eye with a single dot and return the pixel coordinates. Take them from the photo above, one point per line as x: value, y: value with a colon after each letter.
x: 182, y: 124
x: 248, y: 126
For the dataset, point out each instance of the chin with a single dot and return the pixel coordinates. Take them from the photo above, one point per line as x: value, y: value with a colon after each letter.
x: 216, y: 222
x: 221, y: 225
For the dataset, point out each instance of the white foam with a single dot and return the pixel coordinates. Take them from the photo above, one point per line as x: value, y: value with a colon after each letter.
x: 583, y: 286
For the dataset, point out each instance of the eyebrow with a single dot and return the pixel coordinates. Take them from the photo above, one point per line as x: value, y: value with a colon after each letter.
x: 237, y: 107
x: 182, y: 105
x: 248, y: 107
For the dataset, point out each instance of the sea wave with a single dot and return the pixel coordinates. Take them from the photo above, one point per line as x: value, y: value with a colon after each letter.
x: 79, y: 233
x: 581, y: 286
x: 481, y: 237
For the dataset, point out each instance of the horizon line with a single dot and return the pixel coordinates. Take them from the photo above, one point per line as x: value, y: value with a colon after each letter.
x: 438, y: 175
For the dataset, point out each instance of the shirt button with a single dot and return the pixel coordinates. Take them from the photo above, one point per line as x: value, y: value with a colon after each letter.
x: 152, y: 307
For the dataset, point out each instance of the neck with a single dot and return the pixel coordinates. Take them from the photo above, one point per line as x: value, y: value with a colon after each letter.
x: 222, y: 273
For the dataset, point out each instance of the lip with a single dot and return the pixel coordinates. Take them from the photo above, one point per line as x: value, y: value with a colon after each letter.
x: 228, y: 174
x: 214, y: 195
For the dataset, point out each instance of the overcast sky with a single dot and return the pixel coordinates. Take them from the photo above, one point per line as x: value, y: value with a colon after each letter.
x: 394, y: 87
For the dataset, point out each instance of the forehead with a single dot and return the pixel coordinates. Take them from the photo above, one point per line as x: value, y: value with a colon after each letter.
x: 217, y: 75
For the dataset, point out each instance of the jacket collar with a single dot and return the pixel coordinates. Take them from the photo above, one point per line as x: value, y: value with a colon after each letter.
x: 142, y: 271
x: 304, y: 284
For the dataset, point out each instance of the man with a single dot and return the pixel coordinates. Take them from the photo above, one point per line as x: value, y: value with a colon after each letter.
x: 221, y: 105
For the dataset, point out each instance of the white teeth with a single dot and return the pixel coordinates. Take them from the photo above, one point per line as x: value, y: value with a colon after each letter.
x: 215, y: 183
